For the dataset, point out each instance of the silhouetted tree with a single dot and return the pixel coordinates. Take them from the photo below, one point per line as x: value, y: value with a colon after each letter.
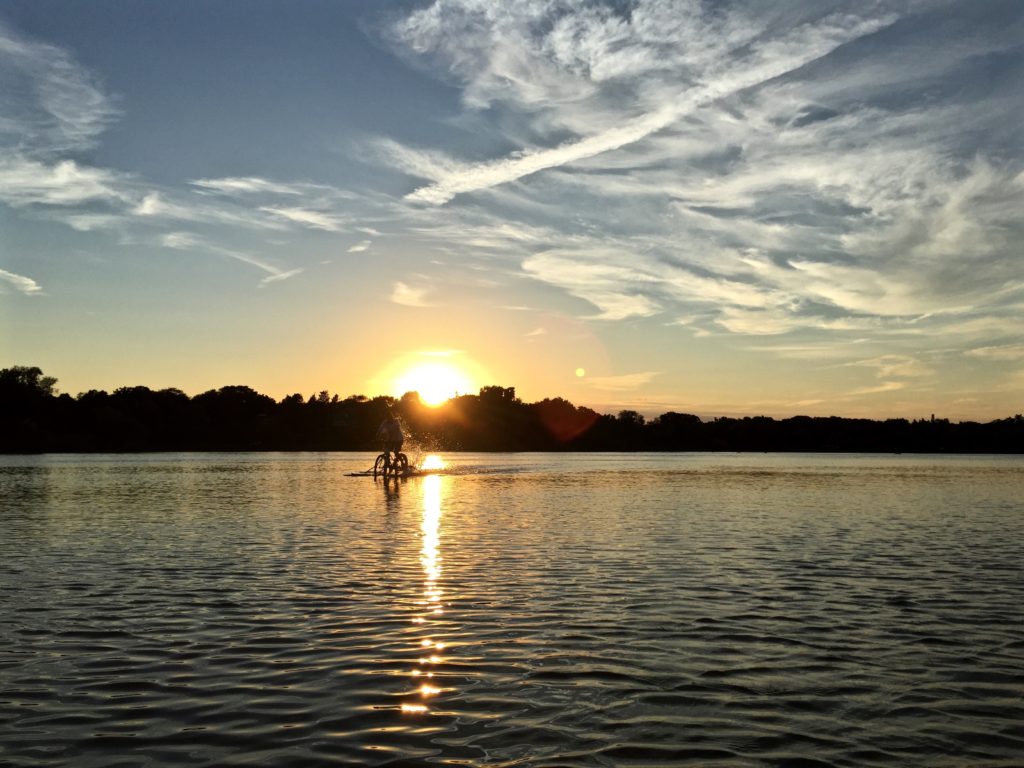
x: 34, y: 417
x: 22, y: 380
x: 25, y: 395
x: 562, y: 421
x: 676, y: 432
x: 233, y: 418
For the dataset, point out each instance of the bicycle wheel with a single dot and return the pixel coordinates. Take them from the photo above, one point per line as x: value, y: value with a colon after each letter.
x: 380, y: 466
x: 401, y: 465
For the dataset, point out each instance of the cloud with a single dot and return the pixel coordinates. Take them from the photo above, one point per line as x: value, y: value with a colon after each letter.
x: 359, y: 247
x: 740, y: 62
x: 162, y: 208
x: 409, y: 296
x: 188, y: 241
x: 50, y: 107
x: 50, y: 104
x: 25, y: 182
x: 901, y: 366
x: 810, y: 351
x: 246, y: 186
x: 22, y: 284
x: 278, y: 276
x: 314, y: 219
x: 595, y: 280
x: 746, y: 274
x: 91, y: 222
x: 758, y: 322
x: 1002, y: 353
x: 819, y: 173
x: 427, y: 164
x: 623, y: 382
x: 888, y: 386
x: 154, y: 205
x: 182, y: 241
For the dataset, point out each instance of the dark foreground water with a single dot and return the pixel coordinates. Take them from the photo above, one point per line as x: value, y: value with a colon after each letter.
x: 535, y: 610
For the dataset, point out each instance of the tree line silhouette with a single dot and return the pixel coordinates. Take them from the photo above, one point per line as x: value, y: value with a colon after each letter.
x: 35, y: 418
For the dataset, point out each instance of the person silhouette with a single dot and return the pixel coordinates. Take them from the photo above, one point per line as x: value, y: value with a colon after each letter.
x: 390, y: 434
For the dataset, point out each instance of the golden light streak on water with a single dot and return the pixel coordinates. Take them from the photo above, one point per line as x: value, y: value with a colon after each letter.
x: 433, y: 594
x: 430, y: 527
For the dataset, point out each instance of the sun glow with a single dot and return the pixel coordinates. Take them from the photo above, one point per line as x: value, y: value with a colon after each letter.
x: 435, y: 382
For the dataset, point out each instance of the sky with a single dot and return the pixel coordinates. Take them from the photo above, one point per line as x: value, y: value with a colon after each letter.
x: 718, y: 207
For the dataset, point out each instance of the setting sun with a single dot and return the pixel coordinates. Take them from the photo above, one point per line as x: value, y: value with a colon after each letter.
x: 436, y: 382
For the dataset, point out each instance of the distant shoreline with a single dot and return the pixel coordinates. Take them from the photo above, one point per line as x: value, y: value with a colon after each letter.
x: 34, y: 419
x: 562, y: 452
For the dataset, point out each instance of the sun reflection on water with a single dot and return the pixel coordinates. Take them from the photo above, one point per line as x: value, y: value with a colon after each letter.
x: 432, y: 604
x: 432, y: 462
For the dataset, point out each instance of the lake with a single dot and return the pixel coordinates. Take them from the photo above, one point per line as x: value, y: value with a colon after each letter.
x: 512, y: 610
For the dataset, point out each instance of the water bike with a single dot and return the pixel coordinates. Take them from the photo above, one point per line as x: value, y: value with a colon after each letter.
x: 385, y: 466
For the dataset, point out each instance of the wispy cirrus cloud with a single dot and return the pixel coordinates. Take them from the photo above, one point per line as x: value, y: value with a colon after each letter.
x: 52, y: 109
x: 279, y: 275
x: 20, y: 283
x: 67, y: 110
x: 189, y: 241
x: 623, y: 382
x: 168, y: 208
x: 25, y: 182
x: 597, y: 279
x: 785, y: 171
x: 743, y: 60
x: 249, y: 185
x: 886, y: 386
x: 1002, y: 353
x: 895, y: 366
x: 306, y: 217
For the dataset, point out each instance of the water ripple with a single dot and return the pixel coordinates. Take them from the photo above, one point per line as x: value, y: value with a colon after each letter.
x: 546, y: 611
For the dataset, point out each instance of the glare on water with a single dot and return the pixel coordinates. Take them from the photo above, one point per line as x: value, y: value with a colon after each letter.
x: 432, y: 462
x: 430, y: 559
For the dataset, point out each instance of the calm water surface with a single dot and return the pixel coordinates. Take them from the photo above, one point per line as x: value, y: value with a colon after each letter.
x: 519, y: 609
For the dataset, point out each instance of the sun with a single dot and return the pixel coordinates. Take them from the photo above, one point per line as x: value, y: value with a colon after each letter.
x: 436, y: 382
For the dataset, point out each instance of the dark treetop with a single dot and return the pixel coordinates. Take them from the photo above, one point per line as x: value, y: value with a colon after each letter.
x: 34, y: 418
